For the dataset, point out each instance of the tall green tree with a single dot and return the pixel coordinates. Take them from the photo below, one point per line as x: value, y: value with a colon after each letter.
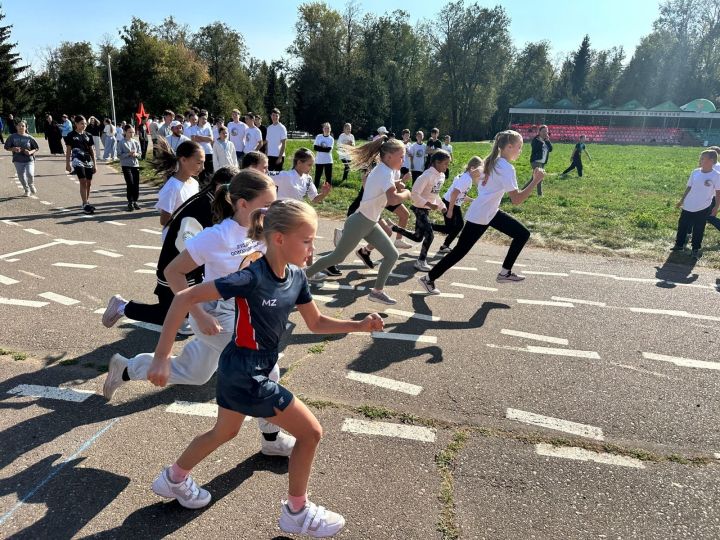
x: 12, y: 81
x: 582, y: 61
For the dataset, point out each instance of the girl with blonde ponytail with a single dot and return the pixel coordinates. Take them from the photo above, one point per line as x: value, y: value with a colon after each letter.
x: 485, y: 210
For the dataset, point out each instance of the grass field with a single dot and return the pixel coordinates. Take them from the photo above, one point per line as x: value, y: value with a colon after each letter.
x: 623, y: 205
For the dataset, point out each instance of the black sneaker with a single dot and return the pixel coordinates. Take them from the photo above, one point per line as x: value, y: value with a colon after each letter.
x: 88, y: 209
x: 130, y: 207
x: 92, y: 208
x: 677, y: 248
x: 696, y: 254
x: 136, y: 206
x: 365, y: 256
x: 333, y: 271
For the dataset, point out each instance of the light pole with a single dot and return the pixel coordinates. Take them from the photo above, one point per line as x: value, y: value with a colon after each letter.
x: 112, y: 95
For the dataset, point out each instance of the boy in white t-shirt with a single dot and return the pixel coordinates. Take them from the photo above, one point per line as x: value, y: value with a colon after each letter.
x: 703, y: 187
x: 417, y: 153
x: 236, y: 134
x: 253, y: 135
x: 276, y: 138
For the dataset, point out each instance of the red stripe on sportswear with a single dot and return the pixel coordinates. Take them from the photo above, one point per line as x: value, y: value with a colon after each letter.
x: 244, y: 332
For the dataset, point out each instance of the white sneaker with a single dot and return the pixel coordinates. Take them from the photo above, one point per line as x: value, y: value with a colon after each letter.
x: 185, y: 329
x: 402, y: 244
x: 317, y: 277
x: 114, y: 379
x: 187, y: 493
x: 381, y: 298
x: 337, y: 235
x: 115, y: 311
x: 423, y: 266
x: 27, y: 192
x: 33, y: 189
x: 509, y: 278
x: 281, y: 446
x: 315, y: 521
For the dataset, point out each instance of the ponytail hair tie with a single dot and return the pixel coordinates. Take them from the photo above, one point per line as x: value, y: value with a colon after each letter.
x: 263, y: 211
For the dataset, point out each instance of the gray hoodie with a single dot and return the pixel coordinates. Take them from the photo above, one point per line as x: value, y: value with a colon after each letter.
x: 124, y: 148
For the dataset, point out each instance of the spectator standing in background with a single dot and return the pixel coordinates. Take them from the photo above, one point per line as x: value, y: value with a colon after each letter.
x: 323, y: 145
x: 142, y: 132
x: 236, y: 134
x: 263, y: 134
x: 53, y: 136
x: 11, y: 124
x: 539, y: 153
x: 109, y: 133
x: 276, y: 138
x: 345, y: 139
x: 433, y: 145
x: 253, y: 135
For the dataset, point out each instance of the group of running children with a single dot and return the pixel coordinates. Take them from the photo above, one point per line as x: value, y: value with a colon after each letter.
x: 236, y: 260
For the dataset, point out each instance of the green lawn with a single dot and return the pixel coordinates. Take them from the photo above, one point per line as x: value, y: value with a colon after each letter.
x: 624, y: 204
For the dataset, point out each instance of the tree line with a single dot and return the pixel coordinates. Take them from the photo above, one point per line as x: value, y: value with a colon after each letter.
x: 458, y: 71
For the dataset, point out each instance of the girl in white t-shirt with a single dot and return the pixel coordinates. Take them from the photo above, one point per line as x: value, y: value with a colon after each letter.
x: 345, y: 139
x: 449, y: 149
x: 224, y: 154
x: 454, y: 197
x: 323, y: 146
x: 179, y: 168
x: 485, y: 210
x: 380, y: 190
x: 223, y: 249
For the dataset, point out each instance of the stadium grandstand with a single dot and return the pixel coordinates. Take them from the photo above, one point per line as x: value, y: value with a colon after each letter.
x: 692, y: 124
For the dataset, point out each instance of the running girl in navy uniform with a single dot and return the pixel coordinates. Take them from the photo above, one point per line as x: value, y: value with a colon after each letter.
x: 485, y: 211
x: 80, y: 160
x: 264, y: 295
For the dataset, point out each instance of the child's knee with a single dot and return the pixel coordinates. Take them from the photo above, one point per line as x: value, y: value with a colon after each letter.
x: 524, y: 234
x: 223, y: 434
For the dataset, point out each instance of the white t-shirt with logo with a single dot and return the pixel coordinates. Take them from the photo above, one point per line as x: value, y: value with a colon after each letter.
x: 462, y: 182
x: 324, y: 158
x: 500, y: 181
x: 173, y: 194
x: 342, y: 140
x: 380, y: 179
x: 236, y: 133
x: 406, y: 157
x: 417, y: 153
x: 205, y: 131
x: 222, y: 248
x: 293, y: 186
x: 702, y: 190
x: 253, y: 136
x: 276, y: 134
x: 447, y: 148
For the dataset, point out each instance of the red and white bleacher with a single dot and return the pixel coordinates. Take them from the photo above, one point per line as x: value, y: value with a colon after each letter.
x: 607, y: 134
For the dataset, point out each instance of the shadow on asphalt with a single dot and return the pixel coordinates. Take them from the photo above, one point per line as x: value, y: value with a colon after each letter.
x: 677, y: 268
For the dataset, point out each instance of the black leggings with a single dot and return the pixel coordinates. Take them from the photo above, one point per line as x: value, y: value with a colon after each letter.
x: 356, y: 202
x: 472, y: 232
x: 576, y: 164
x: 346, y: 168
x: 132, y: 183
x: 423, y: 231
x: 151, y: 313
x: 452, y: 226
x: 319, y: 169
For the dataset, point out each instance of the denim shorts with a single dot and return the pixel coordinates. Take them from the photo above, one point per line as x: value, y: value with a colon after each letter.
x: 243, y: 385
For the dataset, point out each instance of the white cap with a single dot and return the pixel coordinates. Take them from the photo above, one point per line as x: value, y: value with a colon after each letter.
x: 382, y: 129
x: 175, y: 123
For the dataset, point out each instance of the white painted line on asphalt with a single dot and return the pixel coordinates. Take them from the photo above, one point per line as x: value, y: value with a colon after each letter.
x: 10, y: 222
x: 552, y: 351
x: 391, y: 274
x: 107, y: 253
x: 500, y: 262
x: 545, y: 303
x: 29, y: 250
x: 536, y: 337
x: 404, y: 337
x: 100, y: 310
x: 682, y: 362
x: 145, y: 271
x: 141, y: 324
x: 675, y: 313
x: 75, y: 242
x: 535, y: 273
x: 339, y: 287
x: 59, y: 298
x: 620, y: 278
x: 475, y: 287
x: 150, y: 231
x: 641, y: 370
x: 386, y: 429
x: 557, y: 424
x: 412, y: 315
x: 580, y: 454
x: 117, y: 223
x: 576, y: 301
x: 4, y: 280
x: 140, y: 246
x: 441, y: 295
x: 51, y: 392
x: 151, y: 265
x: 46, y: 203
x: 75, y: 265
x: 594, y: 274
x: 22, y: 303
x: 468, y: 268
x: 324, y: 299
x: 716, y: 455
x: 30, y: 274
x: 383, y: 382
x: 209, y: 410
x: 11, y: 260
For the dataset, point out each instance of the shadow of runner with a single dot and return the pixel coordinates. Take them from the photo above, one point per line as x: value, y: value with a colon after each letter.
x: 677, y: 268
x: 162, y: 519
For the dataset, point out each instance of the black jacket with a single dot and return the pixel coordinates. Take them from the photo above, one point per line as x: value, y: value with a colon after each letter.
x: 537, y: 150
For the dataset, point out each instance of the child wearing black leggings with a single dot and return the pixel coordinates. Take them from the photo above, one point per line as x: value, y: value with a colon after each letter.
x: 323, y: 145
x: 485, y: 211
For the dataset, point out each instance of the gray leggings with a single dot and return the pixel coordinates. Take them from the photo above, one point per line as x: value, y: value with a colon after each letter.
x: 357, y: 227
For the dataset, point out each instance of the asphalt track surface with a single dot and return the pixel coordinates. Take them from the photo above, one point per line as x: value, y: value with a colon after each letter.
x: 580, y: 403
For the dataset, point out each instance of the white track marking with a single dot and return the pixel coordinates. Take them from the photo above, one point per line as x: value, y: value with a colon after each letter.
x: 4, y: 280
x: 441, y: 295
x: 536, y: 337
x: 144, y: 271
x: 117, y: 223
x: 150, y: 231
x: 581, y: 454
x: 11, y: 260
x: 552, y: 351
x: 382, y: 382
x: 29, y: 250
x: 557, y: 424
x: 59, y: 298
x: 391, y: 274
x: 675, y: 313
x: 51, y: 392
x: 107, y: 253
x: 75, y: 265
x: 716, y: 455
x: 151, y: 265
x: 404, y: 337
x: 536, y: 273
x: 46, y: 203
x: 10, y: 222
x: 475, y: 287
x: 386, y: 429
x: 412, y: 315
x: 144, y: 325
x: 22, y: 303
x: 682, y: 362
x: 100, y: 310
x: 545, y: 303
x: 140, y: 246
x: 324, y: 299
x: 576, y: 301
x: 468, y: 268
x: 75, y: 242
x: 594, y: 274
x: 31, y: 274
x: 209, y: 410
x: 339, y: 287
x: 641, y: 370
x: 500, y: 262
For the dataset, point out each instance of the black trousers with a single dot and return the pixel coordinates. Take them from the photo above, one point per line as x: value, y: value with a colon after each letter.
x: 319, y: 170
x: 346, y: 168
x: 575, y: 164
x: 132, y: 183
x: 423, y: 231
x: 151, y: 313
x: 452, y: 226
x: 275, y: 163
x: 472, y: 232
x: 356, y: 202
x: 208, y: 169
x: 143, y: 148
x: 695, y: 222
x: 415, y: 175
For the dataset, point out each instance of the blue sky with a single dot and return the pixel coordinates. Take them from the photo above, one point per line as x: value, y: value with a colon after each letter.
x: 562, y: 22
